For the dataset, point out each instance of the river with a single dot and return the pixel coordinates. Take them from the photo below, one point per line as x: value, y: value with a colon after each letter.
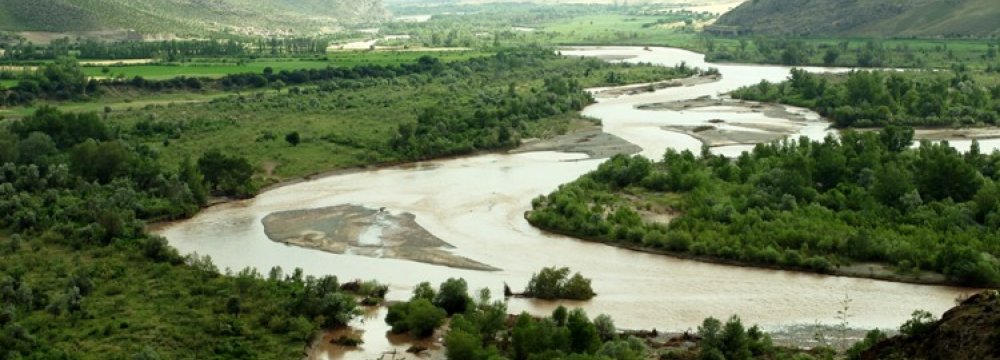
x: 477, y: 204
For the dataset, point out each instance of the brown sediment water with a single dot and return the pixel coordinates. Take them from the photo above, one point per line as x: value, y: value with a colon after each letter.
x: 477, y: 204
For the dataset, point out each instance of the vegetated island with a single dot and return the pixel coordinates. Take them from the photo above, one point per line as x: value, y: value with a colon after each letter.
x: 866, y: 205
x: 552, y: 283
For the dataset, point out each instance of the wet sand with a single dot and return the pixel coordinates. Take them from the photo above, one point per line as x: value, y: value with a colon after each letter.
x: 593, y: 142
x: 987, y: 133
x: 357, y: 230
x: 724, y: 130
x: 712, y: 136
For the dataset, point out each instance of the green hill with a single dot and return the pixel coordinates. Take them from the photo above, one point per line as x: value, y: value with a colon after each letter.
x: 187, y: 16
x: 897, y: 18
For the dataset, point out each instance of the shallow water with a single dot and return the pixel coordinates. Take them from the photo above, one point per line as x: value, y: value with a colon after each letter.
x: 477, y: 205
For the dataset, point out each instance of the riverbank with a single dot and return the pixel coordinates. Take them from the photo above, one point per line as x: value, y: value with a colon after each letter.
x: 873, y: 271
x: 635, y: 89
x: 721, y: 132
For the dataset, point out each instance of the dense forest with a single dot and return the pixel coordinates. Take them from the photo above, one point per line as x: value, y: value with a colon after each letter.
x: 879, y: 98
x: 75, y: 197
x: 815, y: 205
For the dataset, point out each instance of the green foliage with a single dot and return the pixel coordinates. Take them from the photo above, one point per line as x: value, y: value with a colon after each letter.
x: 424, y: 291
x: 554, y: 283
x: 878, y: 98
x: 65, y: 129
x: 81, y: 203
x: 871, y: 338
x: 369, y: 114
x: 61, y: 79
x: 630, y: 348
x: 227, y: 175
x: 453, y: 296
x: 74, y: 304
x: 803, y: 204
x: 582, y: 333
x: 419, y: 317
x: 921, y: 323
x: 518, y: 23
x: 731, y: 340
x: 101, y: 162
x: 293, y: 138
x: 605, y: 327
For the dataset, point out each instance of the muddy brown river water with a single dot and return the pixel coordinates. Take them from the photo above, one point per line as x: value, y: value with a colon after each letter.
x: 477, y: 204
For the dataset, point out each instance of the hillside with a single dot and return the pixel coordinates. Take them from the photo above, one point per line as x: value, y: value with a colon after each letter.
x: 187, y: 17
x: 968, y: 331
x: 896, y: 18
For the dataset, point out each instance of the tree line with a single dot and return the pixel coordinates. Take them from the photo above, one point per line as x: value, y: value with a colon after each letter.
x: 870, y: 53
x: 480, y: 329
x: 814, y: 205
x: 879, y: 98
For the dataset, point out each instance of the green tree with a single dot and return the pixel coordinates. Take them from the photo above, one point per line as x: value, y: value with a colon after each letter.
x: 943, y: 173
x: 583, y: 333
x: 228, y: 175
x: 293, y: 138
x: 8, y: 147
x: 424, y: 291
x: 453, y: 296
x: 190, y: 174
x: 100, y: 162
x: 605, y: 327
x: 422, y: 318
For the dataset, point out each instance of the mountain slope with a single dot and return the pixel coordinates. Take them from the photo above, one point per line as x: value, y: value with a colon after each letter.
x: 922, y: 18
x: 186, y: 16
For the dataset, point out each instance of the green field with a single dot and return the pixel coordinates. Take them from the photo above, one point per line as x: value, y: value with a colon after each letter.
x: 617, y: 30
x: 120, y: 102
x: 7, y: 83
x: 217, y: 68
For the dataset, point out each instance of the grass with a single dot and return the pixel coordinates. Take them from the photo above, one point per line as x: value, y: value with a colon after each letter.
x: 8, y: 83
x: 618, y: 30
